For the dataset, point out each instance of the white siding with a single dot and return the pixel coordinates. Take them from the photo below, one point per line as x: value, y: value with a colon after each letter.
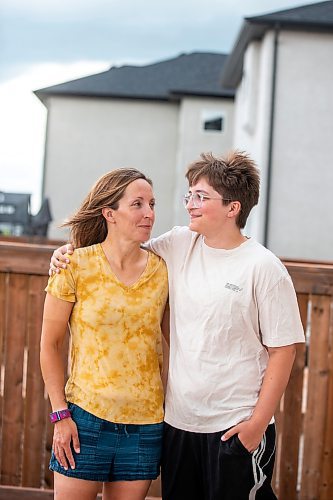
x: 302, y: 202
x: 252, y: 114
x: 193, y: 140
x: 89, y: 137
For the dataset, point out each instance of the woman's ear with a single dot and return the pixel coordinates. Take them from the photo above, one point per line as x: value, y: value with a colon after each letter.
x: 108, y: 214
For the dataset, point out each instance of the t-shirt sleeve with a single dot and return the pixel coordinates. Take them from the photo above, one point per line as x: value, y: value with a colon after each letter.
x: 62, y: 285
x: 161, y: 245
x: 175, y: 241
x: 279, y: 318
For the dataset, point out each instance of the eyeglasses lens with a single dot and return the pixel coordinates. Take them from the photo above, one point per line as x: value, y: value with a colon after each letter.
x: 195, y: 198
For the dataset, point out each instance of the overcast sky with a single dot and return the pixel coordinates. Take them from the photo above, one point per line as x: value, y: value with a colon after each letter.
x: 45, y: 42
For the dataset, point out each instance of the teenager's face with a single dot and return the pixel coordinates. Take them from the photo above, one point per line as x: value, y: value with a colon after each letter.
x: 135, y: 216
x: 210, y: 217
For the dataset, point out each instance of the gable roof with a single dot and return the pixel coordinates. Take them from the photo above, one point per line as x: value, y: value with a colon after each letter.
x: 314, y: 17
x: 196, y: 74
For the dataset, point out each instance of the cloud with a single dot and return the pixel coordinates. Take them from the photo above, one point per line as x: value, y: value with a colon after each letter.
x: 61, y: 30
x: 22, y: 124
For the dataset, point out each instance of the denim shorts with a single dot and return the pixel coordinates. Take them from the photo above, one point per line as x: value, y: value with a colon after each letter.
x: 113, y: 452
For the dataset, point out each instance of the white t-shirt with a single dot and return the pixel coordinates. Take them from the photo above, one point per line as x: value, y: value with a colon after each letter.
x: 225, y: 305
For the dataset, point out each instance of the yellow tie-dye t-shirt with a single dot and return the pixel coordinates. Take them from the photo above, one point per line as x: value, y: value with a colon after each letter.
x: 116, y: 348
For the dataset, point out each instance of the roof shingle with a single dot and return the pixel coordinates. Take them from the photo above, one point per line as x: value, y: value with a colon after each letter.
x: 197, y: 74
x: 316, y: 17
x: 317, y: 14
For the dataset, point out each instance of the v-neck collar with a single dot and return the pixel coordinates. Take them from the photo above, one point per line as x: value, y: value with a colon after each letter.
x: 110, y: 271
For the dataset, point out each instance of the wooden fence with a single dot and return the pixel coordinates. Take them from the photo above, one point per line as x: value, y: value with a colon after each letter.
x: 304, y: 466
x: 25, y: 433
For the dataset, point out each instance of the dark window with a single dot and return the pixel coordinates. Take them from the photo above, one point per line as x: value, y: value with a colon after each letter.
x: 214, y: 124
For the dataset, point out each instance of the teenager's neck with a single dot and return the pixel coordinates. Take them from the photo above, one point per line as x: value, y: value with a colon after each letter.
x: 226, y: 240
x: 122, y: 253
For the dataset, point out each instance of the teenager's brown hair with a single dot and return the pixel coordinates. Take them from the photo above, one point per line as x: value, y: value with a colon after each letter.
x: 235, y: 177
x: 88, y: 225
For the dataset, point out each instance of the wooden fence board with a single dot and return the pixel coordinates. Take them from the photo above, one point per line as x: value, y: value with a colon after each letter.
x: 12, y: 493
x: 3, y: 329
x: 12, y: 427
x: 326, y: 480
x: 3, y: 308
x: 288, y: 419
x: 314, y: 423
x: 292, y: 429
x: 34, y: 400
x: 48, y: 475
x: 279, y: 430
x: 311, y: 277
x: 25, y: 259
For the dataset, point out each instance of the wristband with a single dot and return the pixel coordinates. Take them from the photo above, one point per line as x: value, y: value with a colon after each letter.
x: 59, y: 415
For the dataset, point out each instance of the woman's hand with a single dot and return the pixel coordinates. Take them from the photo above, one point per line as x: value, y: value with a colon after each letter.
x: 65, y: 433
x: 59, y: 258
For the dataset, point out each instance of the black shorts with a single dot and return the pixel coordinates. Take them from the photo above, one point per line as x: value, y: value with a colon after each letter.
x: 199, y: 466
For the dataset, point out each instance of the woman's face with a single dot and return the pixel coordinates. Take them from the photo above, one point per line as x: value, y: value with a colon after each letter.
x: 135, y: 216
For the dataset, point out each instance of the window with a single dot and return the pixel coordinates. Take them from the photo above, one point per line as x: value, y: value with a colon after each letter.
x: 212, y: 121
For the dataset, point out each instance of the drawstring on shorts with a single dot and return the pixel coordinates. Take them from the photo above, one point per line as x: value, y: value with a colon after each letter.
x: 119, y: 427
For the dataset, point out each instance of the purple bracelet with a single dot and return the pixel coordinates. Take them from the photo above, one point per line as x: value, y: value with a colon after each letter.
x: 59, y: 415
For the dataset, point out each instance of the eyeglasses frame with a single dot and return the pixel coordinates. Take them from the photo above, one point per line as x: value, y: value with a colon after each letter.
x: 200, y: 196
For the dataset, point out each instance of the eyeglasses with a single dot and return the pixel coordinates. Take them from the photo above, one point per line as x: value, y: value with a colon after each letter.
x: 198, y: 199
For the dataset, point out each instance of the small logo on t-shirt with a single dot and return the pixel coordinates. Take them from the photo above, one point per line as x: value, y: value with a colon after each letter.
x: 232, y: 287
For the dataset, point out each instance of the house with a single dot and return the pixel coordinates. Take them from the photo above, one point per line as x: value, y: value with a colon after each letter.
x: 16, y: 218
x: 281, y: 68
x: 157, y: 118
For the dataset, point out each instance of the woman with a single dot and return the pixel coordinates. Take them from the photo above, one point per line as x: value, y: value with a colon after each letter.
x: 109, y: 418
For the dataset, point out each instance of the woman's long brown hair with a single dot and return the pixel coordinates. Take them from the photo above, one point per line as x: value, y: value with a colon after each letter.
x: 88, y: 225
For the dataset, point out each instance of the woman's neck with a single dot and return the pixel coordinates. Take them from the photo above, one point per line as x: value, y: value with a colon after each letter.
x: 121, y: 253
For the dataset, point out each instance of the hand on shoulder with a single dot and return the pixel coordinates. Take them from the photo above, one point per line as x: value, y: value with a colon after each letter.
x: 59, y: 259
